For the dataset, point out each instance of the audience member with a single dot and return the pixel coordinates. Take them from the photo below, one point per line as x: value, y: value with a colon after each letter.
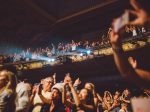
x: 7, y: 91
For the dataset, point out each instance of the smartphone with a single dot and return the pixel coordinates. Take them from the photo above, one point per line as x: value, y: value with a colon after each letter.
x: 36, y: 84
x: 41, y: 85
x: 121, y: 22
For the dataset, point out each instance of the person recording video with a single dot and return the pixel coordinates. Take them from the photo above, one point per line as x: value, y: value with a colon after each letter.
x: 141, y: 10
x: 125, y: 67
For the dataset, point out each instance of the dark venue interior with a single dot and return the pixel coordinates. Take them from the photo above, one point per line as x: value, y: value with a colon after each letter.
x: 39, y: 38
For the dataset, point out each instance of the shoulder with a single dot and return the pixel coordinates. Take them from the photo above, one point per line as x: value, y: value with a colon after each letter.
x: 46, y: 94
x: 7, y: 94
x: 121, y: 110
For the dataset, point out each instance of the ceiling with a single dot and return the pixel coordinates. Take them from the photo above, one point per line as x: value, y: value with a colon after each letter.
x: 38, y: 22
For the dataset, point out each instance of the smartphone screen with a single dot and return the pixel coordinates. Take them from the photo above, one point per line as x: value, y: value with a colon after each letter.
x: 121, y: 21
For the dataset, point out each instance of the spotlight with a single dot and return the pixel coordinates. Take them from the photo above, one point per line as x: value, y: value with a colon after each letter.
x: 88, y: 52
x: 81, y: 54
x: 51, y: 60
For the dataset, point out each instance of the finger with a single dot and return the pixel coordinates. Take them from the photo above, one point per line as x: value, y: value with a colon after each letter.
x: 113, y: 22
x: 135, y: 62
x: 136, y: 22
x: 112, y: 33
x: 135, y: 13
x: 135, y: 4
x: 132, y: 12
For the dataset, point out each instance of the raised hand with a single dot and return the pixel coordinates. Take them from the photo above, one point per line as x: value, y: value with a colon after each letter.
x: 39, y: 89
x: 70, y: 84
x: 34, y: 90
x: 54, y: 76
x: 67, y: 78
x: 133, y: 62
x: 142, y: 16
x: 114, y: 39
x: 77, y: 82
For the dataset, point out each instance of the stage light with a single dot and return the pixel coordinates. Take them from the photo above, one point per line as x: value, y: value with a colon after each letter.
x: 81, y: 54
x: 88, y: 52
x: 51, y: 60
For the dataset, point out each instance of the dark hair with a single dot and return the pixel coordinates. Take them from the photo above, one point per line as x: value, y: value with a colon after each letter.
x: 9, y: 68
x: 60, y: 94
x: 45, y: 107
x: 90, y: 99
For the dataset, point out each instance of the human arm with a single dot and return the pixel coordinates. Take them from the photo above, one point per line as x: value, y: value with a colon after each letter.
x: 80, y: 104
x: 121, y: 61
x: 54, y: 77
x: 144, y: 74
x: 33, y: 94
x: 76, y: 84
x: 142, y: 16
x: 65, y: 100
x: 44, y: 100
x: 75, y: 95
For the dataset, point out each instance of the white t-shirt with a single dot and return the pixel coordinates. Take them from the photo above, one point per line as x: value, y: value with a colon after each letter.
x: 22, y: 99
x: 37, y: 100
x: 143, y: 30
x: 134, y: 32
x: 121, y: 110
x: 73, y: 47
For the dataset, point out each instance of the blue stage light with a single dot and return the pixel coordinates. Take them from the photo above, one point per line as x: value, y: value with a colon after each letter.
x: 88, y: 52
x: 51, y: 60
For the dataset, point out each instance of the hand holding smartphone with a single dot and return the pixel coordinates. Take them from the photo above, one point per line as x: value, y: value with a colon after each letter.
x: 39, y: 90
x: 121, y: 22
